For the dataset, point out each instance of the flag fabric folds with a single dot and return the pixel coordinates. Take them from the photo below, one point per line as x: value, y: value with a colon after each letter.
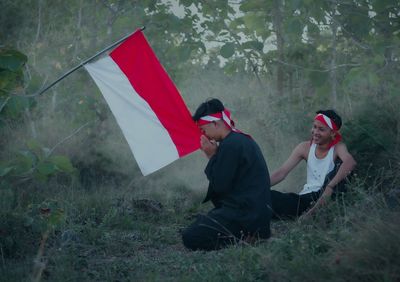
x: 146, y: 104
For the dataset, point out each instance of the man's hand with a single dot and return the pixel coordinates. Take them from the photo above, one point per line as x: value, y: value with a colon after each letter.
x: 307, y: 216
x: 322, y: 201
x: 209, y: 147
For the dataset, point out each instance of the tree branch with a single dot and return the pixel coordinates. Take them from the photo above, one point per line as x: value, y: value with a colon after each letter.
x: 355, y: 40
x: 4, y: 103
x: 317, y: 70
x: 68, y: 137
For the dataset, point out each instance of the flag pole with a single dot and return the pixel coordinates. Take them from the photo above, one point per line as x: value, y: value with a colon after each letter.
x: 83, y: 63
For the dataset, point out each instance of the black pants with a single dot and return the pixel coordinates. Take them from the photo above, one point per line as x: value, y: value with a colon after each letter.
x: 208, y: 233
x: 291, y: 205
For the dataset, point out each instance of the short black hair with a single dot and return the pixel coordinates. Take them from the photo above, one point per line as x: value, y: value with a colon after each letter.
x: 211, y: 106
x: 333, y: 116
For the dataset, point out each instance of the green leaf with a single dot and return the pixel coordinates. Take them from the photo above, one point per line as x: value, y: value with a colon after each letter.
x: 227, y: 50
x: 45, y: 168
x: 373, y: 79
x: 8, y: 81
x: 12, y: 60
x: 5, y: 170
x: 256, y: 45
x: 185, y: 3
x: 33, y: 145
x: 24, y: 162
x: 235, y: 23
x: 254, y: 5
x: 56, y: 218
x: 295, y: 26
x: 185, y: 52
x: 254, y: 21
x: 356, y: 76
x: 354, y: 73
x: 15, y: 106
x: 355, y: 20
x: 379, y: 59
x: 295, y: 4
x: 313, y: 30
x: 62, y: 163
x: 231, y: 68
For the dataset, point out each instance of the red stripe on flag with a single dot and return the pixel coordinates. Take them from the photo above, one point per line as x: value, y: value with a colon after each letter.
x: 138, y: 62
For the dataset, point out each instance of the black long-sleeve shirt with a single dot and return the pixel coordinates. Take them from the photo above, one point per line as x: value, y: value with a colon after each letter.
x: 239, y: 184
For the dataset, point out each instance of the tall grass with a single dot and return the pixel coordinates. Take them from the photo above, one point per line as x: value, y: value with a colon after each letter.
x: 354, y: 239
x: 111, y: 235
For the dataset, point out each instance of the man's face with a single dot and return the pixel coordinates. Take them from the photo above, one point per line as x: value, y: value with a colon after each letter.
x: 210, y: 130
x: 321, y: 134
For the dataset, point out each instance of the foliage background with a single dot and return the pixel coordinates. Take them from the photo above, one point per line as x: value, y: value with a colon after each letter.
x: 70, y: 187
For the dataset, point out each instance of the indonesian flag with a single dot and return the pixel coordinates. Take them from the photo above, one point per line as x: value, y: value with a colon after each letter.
x: 146, y: 104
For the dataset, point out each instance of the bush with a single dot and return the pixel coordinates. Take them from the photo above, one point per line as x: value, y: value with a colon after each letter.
x: 373, y: 137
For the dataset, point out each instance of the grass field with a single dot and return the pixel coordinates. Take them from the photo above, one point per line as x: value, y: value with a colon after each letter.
x: 103, y: 234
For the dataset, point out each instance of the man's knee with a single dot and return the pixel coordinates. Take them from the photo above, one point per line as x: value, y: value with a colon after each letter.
x: 205, y: 234
x: 189, y: 239
x: 194, y: 238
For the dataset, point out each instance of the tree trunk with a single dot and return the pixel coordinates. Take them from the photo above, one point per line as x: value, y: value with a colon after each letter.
x: 39, y: 25
x: 277, y: 24
x: 333, y: 70
x: 78, y: 36
x: 31, y: 123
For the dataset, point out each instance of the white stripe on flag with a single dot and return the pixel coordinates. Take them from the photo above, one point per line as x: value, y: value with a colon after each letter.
x: 152, y: 150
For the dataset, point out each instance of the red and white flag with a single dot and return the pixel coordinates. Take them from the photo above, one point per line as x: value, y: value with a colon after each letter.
x: 146, y: 104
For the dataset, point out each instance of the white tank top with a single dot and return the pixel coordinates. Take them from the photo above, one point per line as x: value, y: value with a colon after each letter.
x: 317, y: 170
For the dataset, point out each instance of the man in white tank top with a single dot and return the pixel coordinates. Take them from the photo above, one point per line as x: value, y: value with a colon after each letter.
x: 321, y: 154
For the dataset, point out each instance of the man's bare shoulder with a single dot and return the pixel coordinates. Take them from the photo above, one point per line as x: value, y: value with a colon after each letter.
x: 340, y: 146
x: 302, y: 149
x: 341, y: 149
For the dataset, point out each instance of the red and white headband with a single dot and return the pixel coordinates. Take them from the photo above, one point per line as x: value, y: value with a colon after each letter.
x: 327, y: 121
x: 332, y: 125
x: 225, y: 116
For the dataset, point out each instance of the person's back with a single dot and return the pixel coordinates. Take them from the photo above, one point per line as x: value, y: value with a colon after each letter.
x: 238, y: 178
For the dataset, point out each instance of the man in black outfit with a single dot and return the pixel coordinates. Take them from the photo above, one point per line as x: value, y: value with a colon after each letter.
x: 238, y: 187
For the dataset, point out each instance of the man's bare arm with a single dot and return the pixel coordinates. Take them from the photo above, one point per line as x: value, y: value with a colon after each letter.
x: 347, y: 166
x: 295, y: 157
